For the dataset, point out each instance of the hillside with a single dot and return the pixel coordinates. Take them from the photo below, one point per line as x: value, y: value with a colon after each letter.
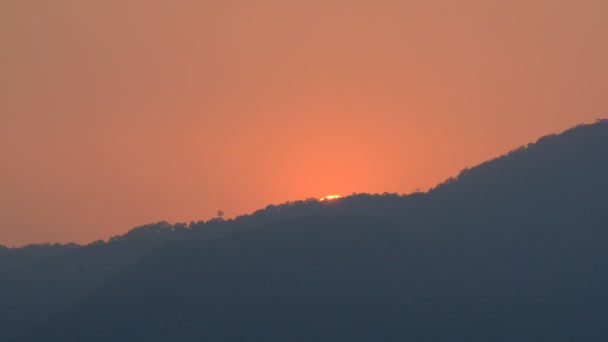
x: 512, y: 249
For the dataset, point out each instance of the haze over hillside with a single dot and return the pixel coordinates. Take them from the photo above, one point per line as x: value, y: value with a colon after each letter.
x: 512, y: 249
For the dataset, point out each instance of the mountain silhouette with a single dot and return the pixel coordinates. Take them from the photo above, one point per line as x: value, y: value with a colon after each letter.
x: 510, y: 250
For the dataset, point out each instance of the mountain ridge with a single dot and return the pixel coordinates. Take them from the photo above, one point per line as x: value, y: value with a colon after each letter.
x: 510, y: 219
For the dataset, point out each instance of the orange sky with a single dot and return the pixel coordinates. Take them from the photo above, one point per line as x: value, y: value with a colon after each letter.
x: 117, y: 113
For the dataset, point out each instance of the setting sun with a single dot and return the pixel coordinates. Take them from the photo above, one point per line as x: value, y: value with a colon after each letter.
x: 330, y: 197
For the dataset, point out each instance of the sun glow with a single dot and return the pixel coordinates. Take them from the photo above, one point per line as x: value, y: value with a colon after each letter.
x: 329, y: 197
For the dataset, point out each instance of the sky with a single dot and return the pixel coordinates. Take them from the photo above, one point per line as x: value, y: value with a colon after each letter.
x: 119, y: 113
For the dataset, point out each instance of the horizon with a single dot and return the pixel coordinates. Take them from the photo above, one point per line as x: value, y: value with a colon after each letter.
x: 116, y: 113
x: 331, y: 197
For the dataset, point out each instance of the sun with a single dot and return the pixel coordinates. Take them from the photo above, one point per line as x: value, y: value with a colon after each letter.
x: 330, y: 197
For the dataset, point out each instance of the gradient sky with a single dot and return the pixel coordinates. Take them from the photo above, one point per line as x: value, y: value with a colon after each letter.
x: 118, y: 113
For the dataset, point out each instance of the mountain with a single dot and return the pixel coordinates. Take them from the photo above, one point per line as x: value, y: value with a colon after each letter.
x: 512, y: 249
